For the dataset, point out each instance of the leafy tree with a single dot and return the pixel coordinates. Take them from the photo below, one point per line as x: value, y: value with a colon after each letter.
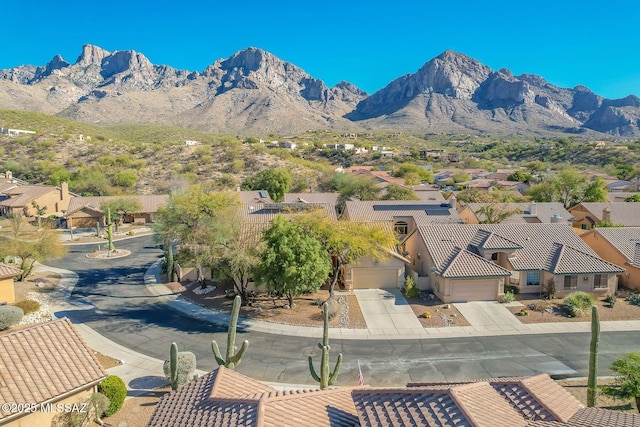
x: 29, y: 246
x: 473, y: 195
x: 346, y: 242
x: 125, y: 178
x: 293, y: 262
x: 535, y: 166
x: 624, y: 171
x: 495, y: 213
x: 542, y: 192
x: 397, y: 192
x: 627, y: 379
x: 121, y: 206
x: 595, y: 192
x: 411, y: 168
x: 519, y: 176
x: 276, y: 181
x: 633, y: 198
x: 359, y: 187
x: 460, y: 177
x: 200, y: 220
x: 90, y: 183
x: 568, y: 186
x: 411, y: 178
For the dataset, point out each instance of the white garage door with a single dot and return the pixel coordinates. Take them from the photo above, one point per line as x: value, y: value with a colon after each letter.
x: 473, y: 290
x: 369, y: 278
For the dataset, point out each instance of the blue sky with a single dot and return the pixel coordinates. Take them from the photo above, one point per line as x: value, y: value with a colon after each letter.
x: 368, y: 43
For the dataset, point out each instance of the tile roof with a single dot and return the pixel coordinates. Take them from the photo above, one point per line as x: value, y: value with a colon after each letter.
x: 331, y: 198
x: 24, y: 194
x: 150, y: 203
x: 388, y: 210
x: 474, y: 404
x: 254, y: 196
x: 548, y: 247
x: 7, y: 270
x: 625, y: 239
x: 45, y: 362
x: 226, y: 398
x: 266, y: 212
x: 626, y: 214
x: 528, y: 212
x: 537, y: 398
x: 463, y: 263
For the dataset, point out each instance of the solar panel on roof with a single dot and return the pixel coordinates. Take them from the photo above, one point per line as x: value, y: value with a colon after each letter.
x: 437, y: 210
x: 263, y: 193
x: 401, y: 207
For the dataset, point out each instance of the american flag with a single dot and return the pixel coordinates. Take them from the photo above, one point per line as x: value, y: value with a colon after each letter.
x: 360, y: 377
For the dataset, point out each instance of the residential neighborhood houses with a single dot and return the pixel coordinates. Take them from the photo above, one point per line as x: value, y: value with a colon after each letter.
x: 454, y: 251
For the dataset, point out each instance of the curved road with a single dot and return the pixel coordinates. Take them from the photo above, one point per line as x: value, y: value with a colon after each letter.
x: 126, y: 313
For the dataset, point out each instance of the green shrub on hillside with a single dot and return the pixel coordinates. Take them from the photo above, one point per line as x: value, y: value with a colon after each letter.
x: 578, y: 303
x: 116, y: 391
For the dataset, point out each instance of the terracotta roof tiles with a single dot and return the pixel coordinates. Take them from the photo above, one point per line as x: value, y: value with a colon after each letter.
x: 45, y: 362
x: 423, y: 213
x: 626, y: 214
x: 7, y: 270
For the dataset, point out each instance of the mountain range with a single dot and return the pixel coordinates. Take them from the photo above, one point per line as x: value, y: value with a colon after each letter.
x: 255, y: 92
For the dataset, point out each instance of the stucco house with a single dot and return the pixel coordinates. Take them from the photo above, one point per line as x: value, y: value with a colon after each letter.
x: 8, y: 273
x: 20, y: 199
x: 472, y: 262
x: 620, y: 246
x: 48, y: 364
x: 85, y: 212
x: 590, y: 215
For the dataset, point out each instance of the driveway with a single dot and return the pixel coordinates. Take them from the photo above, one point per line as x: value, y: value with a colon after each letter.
x: 387, y: 312
x: 488, y: 315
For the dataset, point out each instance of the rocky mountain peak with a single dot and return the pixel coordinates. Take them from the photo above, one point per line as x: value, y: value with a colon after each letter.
x: 453, y: 74
x: 92, y: 55
x: 126, y: 60
x: 249, y: 59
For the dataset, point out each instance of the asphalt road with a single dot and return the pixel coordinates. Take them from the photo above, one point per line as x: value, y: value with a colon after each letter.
x: 126, y: 313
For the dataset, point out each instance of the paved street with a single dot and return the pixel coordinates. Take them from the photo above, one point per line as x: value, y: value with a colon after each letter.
x: 118, y: 306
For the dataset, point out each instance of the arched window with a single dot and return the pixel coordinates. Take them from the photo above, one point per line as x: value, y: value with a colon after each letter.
x: 401, y: 227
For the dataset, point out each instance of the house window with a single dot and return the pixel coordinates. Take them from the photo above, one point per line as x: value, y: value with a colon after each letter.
x: 494, y: 256
x: 533, y: 278
x: 570, y: 282
x: 401, y: 227
x: 600, y: 281
x: 584, y: 226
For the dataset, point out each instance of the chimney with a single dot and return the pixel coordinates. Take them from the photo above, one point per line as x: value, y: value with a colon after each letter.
x: 238, y: 189
x: 64, y: 191
x: 452, y: 202
x: 606, y: 214
x: 556, y: 219
x: 533, y: 209
x: 8, y: 175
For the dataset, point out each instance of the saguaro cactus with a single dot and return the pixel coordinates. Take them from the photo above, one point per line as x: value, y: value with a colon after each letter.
x: 232, y: 357
x: 173, y: 366
x: 109, y: 225
x: 592, y: 383
x: 325, y: 378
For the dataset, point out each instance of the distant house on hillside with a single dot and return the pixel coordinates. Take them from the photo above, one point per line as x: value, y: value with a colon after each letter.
x: 16, y: 132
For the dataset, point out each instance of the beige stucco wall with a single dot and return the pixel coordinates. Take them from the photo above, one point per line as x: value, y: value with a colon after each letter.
x: 391, y: 262
x: 467, y: 216
x: 443, y: 287
x: 606, y: 251
x: 580, y: 213
x: 7, y: 293
x: 40, y: 418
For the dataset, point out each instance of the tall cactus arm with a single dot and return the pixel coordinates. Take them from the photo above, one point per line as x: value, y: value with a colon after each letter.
x: 173, y: 365
x: 217, y: 354
x: 314, y: 374
x: 336, y: 370
x: 238, y: 356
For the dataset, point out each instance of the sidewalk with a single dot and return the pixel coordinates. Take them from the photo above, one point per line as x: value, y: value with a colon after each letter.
x: 390, y: 333
x: 142, y: 373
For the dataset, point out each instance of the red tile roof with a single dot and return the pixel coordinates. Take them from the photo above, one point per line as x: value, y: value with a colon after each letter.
x: 44, y: 362
x: 8, y: 271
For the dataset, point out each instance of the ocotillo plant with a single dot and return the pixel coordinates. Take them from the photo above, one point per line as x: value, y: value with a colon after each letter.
x: 592, y: 383
x: 325, y: 378
x: 173, y: 363
x: 232, y: 357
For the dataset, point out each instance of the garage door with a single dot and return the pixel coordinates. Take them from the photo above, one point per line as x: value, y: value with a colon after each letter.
x: 368, y: 278
x: 473, y: 290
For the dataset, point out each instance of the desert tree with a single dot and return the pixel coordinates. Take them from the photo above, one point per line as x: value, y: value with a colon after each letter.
x: 292, y: 262
x: 495, y: 213
x: 121, y: 206
x: 627, y: 379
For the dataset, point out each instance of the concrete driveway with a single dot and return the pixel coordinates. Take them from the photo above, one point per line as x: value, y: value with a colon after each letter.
x: 488, y: 315
x: 386, y: 311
